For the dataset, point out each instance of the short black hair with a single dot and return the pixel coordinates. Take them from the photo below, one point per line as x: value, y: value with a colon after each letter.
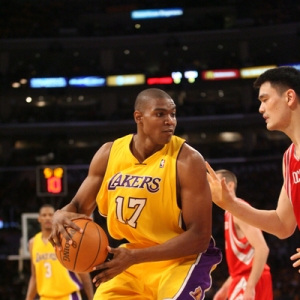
x: 46, y: 205
x: 148, y: 94
x: 281, y: 78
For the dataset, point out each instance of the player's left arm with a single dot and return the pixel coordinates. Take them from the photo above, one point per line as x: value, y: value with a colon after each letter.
x: 87, y: 285
x: 256, y: 239
x: 195, y: 196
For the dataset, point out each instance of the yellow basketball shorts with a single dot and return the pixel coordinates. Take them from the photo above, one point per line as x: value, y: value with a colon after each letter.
x: 181, y: 279
x: 73, y: 296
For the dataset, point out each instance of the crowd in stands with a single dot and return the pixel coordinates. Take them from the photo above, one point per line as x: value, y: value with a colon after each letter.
x: 40, y: 19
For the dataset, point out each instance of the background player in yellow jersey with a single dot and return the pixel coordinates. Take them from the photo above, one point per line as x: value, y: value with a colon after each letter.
x: 49, y: 279
x: 152, y: 187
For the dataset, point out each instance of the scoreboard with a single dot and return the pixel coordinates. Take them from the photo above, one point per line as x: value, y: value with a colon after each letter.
x: 51, y: 181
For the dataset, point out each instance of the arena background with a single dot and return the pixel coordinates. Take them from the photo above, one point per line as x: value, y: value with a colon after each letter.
x: 49, y: 120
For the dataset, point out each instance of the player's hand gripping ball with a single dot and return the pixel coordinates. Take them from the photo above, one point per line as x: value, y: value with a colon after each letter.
x: 88, y: 249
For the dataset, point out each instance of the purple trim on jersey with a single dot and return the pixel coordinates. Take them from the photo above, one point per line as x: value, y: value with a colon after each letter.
x: 76, y: 279
x: 199, y: 280
x: 75, y: 296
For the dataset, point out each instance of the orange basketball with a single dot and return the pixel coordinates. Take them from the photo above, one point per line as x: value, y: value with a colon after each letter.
x: 88, y: 249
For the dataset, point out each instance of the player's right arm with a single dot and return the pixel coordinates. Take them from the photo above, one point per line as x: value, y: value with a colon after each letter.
x: 280, y: 222
x: 84, y: 201
x: 31, y: 291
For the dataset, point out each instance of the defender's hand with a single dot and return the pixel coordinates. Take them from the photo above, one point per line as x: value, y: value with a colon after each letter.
x: 221, y: 195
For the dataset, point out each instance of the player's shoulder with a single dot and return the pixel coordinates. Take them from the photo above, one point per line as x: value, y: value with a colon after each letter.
x: 106, y: 147
x: 31, y: 242
x: 190, y: 160
x: 103, y: 151
x: 101, y: 157
x: 189, y: 153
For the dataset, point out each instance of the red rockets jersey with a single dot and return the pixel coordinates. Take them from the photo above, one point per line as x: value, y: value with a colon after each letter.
x: 239, y: 252
x: 292, y: 180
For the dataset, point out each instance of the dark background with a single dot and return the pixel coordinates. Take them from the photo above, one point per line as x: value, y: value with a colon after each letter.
x: 66, y: 126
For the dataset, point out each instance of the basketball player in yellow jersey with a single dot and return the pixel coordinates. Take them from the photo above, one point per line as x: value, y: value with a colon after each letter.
x: 152, y: 187
x: 49, y: 279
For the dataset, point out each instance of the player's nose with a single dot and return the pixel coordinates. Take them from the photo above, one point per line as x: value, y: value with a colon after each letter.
x: 261, y: 108
x: 170, y: 120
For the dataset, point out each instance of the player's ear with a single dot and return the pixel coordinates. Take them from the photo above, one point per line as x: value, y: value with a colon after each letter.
x: 137, y: 116
x: 291, y: 98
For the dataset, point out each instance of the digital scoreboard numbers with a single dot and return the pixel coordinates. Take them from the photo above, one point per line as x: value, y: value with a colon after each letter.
x: 51, y: 181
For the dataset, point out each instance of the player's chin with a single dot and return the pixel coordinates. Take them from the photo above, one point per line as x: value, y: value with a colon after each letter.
x: 165, y: 140
x: 167, y: 135
x: 271, y: 127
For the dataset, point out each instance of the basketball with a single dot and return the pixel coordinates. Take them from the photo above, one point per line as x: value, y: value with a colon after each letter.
x: 88, y: 249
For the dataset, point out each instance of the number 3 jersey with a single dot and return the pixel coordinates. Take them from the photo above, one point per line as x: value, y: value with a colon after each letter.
x: 53, y: 280
x: 139, y: 199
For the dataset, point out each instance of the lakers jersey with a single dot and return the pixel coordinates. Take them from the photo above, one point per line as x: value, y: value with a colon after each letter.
x: 139, y: 199
x: 53, y: 280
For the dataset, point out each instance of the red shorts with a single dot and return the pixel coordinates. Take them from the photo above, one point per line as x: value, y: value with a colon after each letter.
x: 263, y: 289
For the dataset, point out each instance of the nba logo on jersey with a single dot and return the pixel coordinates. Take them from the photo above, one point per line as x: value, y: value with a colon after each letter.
x: 162, y: 163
